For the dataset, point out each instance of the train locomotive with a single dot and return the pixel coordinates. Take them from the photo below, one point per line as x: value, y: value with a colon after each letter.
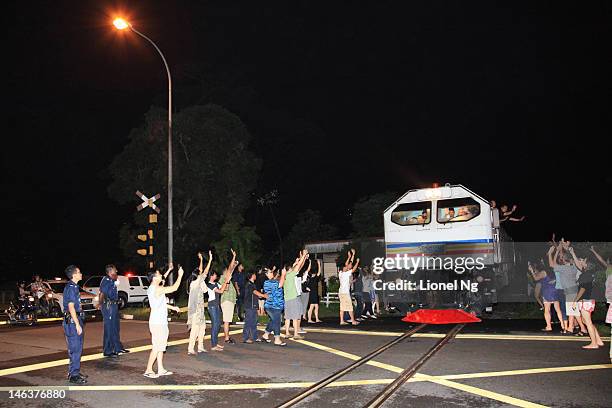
x: 444, y: 249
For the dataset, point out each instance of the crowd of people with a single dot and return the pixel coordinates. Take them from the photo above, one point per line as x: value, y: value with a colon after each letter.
x: 290, y: 293
x: 564, y: 284
x: 564, y: 280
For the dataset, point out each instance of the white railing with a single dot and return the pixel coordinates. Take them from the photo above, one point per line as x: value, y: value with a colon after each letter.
x: 331, y: 297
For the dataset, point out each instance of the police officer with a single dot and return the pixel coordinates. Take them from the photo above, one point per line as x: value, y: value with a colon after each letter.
x: 74, y: 324
x: 110, y: 313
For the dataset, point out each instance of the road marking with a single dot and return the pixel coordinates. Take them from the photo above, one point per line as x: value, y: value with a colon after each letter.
x: 195, y: 387
x: 350, y: 356
x: 423, y: 377
x: 459, y: 336
x: 524, y: 372
x: 524, y: 337
x: 487, y: 394
x: 89, y: 357
x: 508, y: 337
x: 44, y: 319
x: 356, y: 332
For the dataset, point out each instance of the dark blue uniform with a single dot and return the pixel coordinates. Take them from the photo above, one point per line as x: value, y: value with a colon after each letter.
x: 74, y: 341
x: 110, y: 312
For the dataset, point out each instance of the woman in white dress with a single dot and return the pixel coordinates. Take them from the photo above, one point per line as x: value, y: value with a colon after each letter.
x: 196, y: 319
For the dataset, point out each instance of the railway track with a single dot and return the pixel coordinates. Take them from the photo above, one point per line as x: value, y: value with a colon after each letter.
x: 390, y: 389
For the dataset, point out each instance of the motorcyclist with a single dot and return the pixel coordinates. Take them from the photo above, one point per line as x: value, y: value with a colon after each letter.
x: 21, y: 290
x: 39, y: 292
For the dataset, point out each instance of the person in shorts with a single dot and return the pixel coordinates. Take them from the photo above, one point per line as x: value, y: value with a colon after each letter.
x: 608, y: 265
x: 549, y: 294
x: 344, y: 293
x: 585, y: 300
x: 228, y: 302
x: 293, y: 303
x: 158, y: 321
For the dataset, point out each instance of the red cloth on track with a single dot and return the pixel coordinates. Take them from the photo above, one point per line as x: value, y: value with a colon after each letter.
x: 440, y: 316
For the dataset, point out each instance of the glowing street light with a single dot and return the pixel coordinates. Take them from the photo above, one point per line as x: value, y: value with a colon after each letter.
x: 122, y: 24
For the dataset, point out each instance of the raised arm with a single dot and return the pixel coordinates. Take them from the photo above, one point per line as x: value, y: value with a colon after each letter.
x: 356, y: 265
x: 599, y: 257
x: 207, y: 269
x: 299, y: 262
x: 580, y: 264
x: 348, y: 258
x: 281, y: 281
x: 170, y: 267
x: 171, y: 289
x: 552, y: 260
x: 201, y: 261
x: 318, y: 267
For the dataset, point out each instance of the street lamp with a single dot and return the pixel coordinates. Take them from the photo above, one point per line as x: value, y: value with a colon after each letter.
x: 121, y: 24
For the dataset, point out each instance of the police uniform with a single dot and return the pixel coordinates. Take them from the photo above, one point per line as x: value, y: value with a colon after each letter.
x: 73, y: 339
x: 110, y: 313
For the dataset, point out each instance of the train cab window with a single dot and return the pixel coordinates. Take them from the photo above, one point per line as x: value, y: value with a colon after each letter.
x: 457, y: 210
x: 412, y: 213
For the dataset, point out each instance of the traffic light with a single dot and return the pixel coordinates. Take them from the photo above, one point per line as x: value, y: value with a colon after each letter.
x: 148, y: 240
x: 142, y: 251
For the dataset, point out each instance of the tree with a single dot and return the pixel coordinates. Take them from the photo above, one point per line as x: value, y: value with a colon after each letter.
x: 213, y: 173
x: 309, y: 226
x: 367, y: 216
x: 244, y: 240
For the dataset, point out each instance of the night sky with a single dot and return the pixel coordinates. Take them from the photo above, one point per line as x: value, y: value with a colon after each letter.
x: 510, y: 99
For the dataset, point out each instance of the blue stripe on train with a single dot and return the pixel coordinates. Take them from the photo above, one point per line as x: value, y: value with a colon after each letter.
x: 414, y: 244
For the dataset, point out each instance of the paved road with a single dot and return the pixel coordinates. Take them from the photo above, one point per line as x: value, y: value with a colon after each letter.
x: 491, y: 364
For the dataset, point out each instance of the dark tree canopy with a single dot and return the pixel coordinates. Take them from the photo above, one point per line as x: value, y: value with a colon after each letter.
x: 367, y: 217
x: 309, y: 226
x: 213, y: 173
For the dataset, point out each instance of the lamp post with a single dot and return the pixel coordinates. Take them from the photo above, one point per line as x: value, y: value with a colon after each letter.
x: 122, y: 24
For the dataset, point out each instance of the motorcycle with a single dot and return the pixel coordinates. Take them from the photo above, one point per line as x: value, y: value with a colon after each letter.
x: 22, y: 311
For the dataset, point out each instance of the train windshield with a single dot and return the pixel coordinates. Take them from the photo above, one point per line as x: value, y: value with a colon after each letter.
x: 412, y: 213
x: 457, y: 210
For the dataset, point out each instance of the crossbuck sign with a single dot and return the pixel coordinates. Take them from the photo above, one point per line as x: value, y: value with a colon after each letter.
x: 148, y: 202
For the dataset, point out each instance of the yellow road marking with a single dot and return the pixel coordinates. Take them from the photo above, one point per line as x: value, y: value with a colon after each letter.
x: 423, y: 377
x: 524, y: 337
x: 524, y: 372
x: 527, y: 337
x: 44, y: 319
x: 356, y: 332
x: 350, y: 356
x: 487, y: 394
x: 195, y: 387
x: 459, y: 336
x: 89, y: 357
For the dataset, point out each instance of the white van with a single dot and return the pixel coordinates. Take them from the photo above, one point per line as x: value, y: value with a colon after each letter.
x: 131, y: 288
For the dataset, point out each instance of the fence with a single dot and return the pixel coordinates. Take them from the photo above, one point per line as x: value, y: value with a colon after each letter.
x: 330, y: 297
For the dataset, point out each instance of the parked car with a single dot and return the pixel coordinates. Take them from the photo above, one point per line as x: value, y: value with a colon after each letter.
x: 55, y: 298
x: 131, y: 288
